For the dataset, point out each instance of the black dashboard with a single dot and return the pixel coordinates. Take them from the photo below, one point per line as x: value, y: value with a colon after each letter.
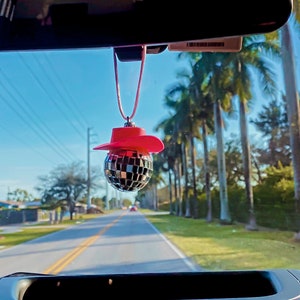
x: 265, y: 284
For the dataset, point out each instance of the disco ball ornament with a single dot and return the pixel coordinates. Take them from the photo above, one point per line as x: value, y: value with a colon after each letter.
x: 128, y: 165
x: 128, y: 170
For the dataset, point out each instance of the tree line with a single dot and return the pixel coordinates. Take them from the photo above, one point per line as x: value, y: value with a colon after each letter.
x: 233, y: 180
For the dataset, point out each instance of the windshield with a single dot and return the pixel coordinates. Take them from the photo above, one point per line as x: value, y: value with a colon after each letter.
x: 207, y: 178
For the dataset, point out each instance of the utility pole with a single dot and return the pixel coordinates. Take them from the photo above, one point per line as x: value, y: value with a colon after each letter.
x: 8, y: 193
x: 106, y: 198
x: 88, y: 170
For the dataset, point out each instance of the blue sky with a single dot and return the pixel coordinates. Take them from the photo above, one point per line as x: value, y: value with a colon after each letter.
x: 49, y: 100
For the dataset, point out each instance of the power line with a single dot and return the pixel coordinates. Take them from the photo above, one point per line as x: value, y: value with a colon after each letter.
x: 33, y: 128
x: 25, y: 143
x: 29, y: 124
x: 69, y: 107
x: 73, y: 107
x: 31, y: 111
x: 51, y: 98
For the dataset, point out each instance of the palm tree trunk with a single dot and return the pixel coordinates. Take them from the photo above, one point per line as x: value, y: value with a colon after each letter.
x: 225, y: 217
x: 186, y: 181
x: 293, y: 113
x: 170, y: 192
x: 179, y: 172
x: 176, y: 190
x: 154, y: 202
x: 247, y: 165
x: 156, y: 197
x: 207, y: 173
x: 195, y: 200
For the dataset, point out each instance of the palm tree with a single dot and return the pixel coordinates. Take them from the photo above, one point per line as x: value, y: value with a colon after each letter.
x: 293, y: 110
x: 212, y: 78
x: 179, y: 99
x: 242, y: 65
x: 156, y: 179
x: 217, y: 87
x: 225, y: 217
x: 204, y: 126
x: 172, y: 154
x: 169, y: 157
x: 204, y: 103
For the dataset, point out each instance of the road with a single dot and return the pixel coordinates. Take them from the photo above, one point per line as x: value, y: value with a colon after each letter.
x: 121, y: 242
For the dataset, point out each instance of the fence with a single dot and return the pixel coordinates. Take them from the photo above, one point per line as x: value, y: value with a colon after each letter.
x: 16, y: 216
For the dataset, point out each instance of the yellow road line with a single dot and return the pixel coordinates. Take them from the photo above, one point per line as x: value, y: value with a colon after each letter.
x: 70, y: 256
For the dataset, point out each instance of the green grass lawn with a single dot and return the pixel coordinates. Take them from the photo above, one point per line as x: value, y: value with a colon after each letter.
x: 15, y: 238
x: 229, y: 247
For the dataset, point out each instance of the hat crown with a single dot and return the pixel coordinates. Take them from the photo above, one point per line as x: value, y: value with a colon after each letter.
x: 121, y: 133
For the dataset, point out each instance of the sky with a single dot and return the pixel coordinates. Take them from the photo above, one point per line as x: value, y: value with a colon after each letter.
x: 49, y: 100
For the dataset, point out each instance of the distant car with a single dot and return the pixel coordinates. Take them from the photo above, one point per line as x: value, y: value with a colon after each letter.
x: 133, y: 208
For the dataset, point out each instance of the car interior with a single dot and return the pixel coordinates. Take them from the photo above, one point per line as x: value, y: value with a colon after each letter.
x: 127, y: 27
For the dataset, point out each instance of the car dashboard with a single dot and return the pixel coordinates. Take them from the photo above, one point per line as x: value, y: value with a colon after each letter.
x: 257, y: 284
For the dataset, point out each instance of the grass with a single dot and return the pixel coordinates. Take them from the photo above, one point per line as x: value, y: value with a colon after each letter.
x: 15, y: 238
x: 229, y: 247
x: 31, y: 232
x: 211, y: 245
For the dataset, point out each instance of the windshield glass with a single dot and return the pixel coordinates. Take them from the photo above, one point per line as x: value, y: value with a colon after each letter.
x: 183, y: 161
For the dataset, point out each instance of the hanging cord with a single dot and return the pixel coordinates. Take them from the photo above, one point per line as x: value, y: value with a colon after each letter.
x: 129, y: 118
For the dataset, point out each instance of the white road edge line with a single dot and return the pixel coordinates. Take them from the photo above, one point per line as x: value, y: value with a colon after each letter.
x: 187, y: 261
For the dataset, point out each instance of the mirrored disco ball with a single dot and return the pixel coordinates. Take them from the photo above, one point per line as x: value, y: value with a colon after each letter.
x: 128, y: 171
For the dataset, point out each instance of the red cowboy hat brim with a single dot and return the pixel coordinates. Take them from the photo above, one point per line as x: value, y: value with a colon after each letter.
x: 132, y: 138
x: 147, y: 143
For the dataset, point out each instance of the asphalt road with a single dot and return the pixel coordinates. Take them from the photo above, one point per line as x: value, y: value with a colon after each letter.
x: 122, y: 242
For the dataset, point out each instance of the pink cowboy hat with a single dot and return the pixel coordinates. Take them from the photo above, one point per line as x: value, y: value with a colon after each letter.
x: 132, y: 138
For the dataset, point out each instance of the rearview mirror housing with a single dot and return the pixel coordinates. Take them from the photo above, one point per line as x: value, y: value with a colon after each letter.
x: 63, y: 24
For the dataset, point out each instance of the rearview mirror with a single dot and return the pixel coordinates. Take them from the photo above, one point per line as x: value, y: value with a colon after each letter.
x: 59, y: 24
